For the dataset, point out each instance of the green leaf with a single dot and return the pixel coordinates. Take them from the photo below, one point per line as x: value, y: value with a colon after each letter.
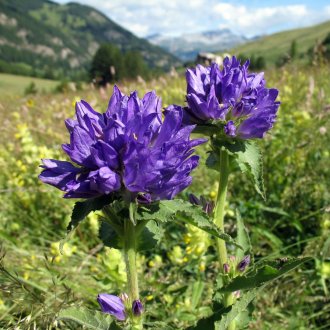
x: 247, y: 155
x: 177, y: 209
x: 273, y: 240
x: 207, y: 323
x: 242, y: 238
x: 262, y: 273
x: 250, y: 160
x: 85, y: 317
x: 156, y: 229
x: 197, y: 291
x: 240, y: 306
x: 82, y: 209
x: 149, y: 236
x: 109, y: 236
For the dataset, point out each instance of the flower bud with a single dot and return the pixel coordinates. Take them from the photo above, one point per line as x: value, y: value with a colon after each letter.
x: 137, y: 307
x: 194, y: 200
x: 226, y: 268
x: 237, y: 294
x: 243, y: 263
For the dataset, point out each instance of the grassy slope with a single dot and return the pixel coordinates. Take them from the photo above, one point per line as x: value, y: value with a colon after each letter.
x: 15, y: 85
x: 276, y: 45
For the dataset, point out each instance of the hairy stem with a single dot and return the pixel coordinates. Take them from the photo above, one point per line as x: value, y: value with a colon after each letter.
x: 130, y: 247
x: 219, y: 211
x: 219, y: 214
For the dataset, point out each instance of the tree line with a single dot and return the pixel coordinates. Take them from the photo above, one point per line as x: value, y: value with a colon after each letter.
x: 110, y: 64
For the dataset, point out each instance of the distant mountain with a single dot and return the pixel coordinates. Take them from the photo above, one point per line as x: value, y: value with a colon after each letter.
x: 277, y: 45
x: 40, y: 35
x: 187, y: 46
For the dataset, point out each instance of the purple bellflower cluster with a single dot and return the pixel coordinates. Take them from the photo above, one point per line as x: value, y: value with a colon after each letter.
x: 232, y: 95
x: 127, y: 148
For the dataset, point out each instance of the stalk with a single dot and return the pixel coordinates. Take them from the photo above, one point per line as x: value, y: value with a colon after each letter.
x: 130, y: 260
x: 219, y: 213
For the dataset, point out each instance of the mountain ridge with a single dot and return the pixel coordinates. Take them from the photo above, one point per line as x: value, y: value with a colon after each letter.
x: 187, y: 46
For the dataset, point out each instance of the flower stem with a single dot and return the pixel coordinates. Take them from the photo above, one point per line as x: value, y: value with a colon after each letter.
x: 219, y: 214
x: 219, y: 211
x: 130, y: 260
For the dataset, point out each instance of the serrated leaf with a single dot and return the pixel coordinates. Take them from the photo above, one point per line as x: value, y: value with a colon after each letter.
x: 85, y: 317
x: 177, y: 209
x: 239, y: 306
x: 250, y: 160
x: 242, y: 238
x: 156, y: 229
x: 262, y: 273
x: 82, y: 209
x: 247, y: 155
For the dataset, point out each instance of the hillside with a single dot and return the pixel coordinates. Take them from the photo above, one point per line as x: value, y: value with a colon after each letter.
x: 274, y: 46
x: 44, y: 36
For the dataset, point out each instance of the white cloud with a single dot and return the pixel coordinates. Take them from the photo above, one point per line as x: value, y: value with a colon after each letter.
x: 253, y: 21
x: 175, y: 17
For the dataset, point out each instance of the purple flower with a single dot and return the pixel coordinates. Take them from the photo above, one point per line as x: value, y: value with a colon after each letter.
x: 112, y: 305
x: 137, y: 307
x: 232, y: 95
x: 127, y: 148
x: 243, y: 264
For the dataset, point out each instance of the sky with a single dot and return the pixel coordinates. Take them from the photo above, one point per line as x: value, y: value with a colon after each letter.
x: 245, y: 17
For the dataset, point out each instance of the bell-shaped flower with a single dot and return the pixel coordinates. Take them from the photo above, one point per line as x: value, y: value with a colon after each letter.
x: 113, y: 305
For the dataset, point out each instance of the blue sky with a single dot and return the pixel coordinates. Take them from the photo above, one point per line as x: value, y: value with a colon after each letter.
x: 246, y: 17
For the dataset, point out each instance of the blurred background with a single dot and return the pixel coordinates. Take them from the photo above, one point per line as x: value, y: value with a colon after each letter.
x: 55, y: 53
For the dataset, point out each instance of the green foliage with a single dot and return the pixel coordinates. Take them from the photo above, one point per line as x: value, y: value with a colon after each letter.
x: 82, y: 209
x: 59, y: 41
x: 185, y: 212
x: 237, y: 308
x: 294, y: 49
x: 262, y: 273
x: 246, y: 154
x: 294, y: 220
x: 250, y: 161
x: 276, y: 46
x: 242, y: 238
x: 109, y: 64
x: 85, y: 317
x: 31, y: 89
